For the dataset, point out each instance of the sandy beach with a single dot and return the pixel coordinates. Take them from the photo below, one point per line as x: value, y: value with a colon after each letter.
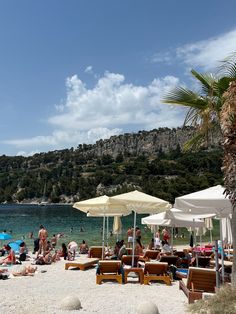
x: 44, y: 292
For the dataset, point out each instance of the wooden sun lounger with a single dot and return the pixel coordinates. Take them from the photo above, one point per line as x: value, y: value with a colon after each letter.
x: 156, y: 271
x: 95, y: 252
x: 199, y: 280
x: 82, y: 264
x: 169, y: 259
x: 149, y: 254
x: 109, y: 270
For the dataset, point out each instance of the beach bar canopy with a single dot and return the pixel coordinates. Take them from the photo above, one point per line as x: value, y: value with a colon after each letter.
x: 141, y: 203
x: 102, y: 206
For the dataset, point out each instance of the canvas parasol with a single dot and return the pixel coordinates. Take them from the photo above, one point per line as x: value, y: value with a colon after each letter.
x: 102, y: 206
x: 141, y: 203
x: 117, y: 226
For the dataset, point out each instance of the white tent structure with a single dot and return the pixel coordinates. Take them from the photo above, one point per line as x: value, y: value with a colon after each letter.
x: 141, y: 203
x: 174, y: 218
x: 102, y: 206
x: 211, y: 200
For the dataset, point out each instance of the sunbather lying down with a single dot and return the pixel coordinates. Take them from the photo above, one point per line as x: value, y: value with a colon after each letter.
x: 24, y: 271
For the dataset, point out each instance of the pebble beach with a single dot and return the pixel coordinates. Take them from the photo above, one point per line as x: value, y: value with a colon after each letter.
x: 44, y: 292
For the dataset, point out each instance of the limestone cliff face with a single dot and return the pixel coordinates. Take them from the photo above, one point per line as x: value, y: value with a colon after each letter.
x: 143, y: 142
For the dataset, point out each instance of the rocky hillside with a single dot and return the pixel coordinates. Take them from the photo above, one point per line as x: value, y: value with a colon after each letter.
x: 145, y: 143
x: 151, y: 161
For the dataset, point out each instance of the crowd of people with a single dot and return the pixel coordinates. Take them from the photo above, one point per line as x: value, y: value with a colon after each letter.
x: 46, y: 251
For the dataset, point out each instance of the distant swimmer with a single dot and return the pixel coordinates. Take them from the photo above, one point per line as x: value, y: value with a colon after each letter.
x: 82, y: 229
x: 71, y: 229
x: 31, y: 234
x: 60, y: 235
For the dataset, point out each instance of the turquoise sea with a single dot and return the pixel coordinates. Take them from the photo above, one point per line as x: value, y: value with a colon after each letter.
x: 23, y: 219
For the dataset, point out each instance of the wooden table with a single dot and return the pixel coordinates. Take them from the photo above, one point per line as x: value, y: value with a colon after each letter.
x: 82, y: 263
x: 137, y: 270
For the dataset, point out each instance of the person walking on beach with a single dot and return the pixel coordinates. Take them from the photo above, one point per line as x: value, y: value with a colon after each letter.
x: 43, y: 235
x: 130, y: 237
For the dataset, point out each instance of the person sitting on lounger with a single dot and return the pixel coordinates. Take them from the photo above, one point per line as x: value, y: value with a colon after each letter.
x: 10, y: 258
x: 83, y: 248
x: 122, y: 250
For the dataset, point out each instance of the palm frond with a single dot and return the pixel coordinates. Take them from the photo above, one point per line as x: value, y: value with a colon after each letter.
x: 221, y: 85
x: 192, y: 117
x: 207, y: 81
x: 194, y: 143
x: 185, y: 97
x: 228, y: 66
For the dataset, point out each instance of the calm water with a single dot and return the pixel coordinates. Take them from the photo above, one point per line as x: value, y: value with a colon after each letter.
x: 23, y: 219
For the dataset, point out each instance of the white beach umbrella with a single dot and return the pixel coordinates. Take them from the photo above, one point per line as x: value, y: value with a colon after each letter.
x: 174, y: 218
x: 102, y: 206
x: 211, y: 200
x: 142, y: 203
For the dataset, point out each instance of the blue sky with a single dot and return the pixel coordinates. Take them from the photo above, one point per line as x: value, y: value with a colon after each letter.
x: 75, y: 71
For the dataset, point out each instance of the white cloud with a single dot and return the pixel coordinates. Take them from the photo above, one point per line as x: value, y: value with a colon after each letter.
x: 89, y: 69
x: 207, y: 53
x: 111, y: 107
x: 162, y: 57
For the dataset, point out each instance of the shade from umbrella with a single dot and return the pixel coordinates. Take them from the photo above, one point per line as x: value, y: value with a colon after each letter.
x: 5, y: 236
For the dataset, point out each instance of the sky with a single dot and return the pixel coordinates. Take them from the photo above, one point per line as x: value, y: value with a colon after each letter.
x: 76, y: 71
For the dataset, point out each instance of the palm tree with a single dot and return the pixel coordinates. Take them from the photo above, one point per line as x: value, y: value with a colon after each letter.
x: 214, y: 110
x: 228, y: 126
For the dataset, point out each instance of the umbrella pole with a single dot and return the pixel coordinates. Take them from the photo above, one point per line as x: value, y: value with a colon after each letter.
x: 107, y: 230
x: 211, y: 235
x: 172, y: 239
x: 133, y: 238
x: 103, y: 235
x: 222, y: 251
x: 217, y: 264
